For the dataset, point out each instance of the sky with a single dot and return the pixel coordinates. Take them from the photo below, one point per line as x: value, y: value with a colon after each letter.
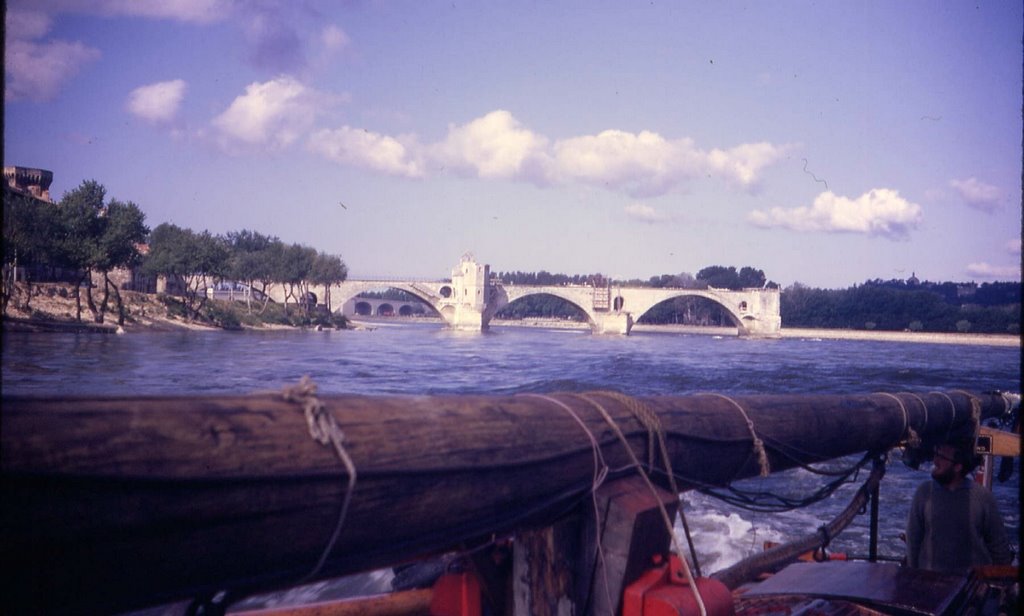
x: 826, y: 143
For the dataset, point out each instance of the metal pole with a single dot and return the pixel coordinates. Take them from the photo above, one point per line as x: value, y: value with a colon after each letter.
x: 873, y: 544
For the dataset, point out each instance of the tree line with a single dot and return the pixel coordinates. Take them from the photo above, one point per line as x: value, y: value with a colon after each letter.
x: 84, y: 235
x: 895, y: 305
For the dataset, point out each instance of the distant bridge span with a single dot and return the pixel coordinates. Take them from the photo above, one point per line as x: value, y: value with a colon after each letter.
x: 471, y: 299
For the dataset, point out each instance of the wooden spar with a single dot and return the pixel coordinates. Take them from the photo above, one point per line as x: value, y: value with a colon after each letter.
x: 115, y: 503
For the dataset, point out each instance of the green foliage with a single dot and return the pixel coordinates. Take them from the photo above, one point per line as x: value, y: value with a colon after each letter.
x: 721, y: 277
x: 893, y: 307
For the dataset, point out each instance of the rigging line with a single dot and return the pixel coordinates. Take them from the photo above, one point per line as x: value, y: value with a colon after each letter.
x: 650, y: 420
x: 975, y: 410
x: 913, y: 440
x: 758, y: 444
x: 924, y: 407
x: 324, y: 429
x: 600, y: 474
x: 661, y: 506
x: 952, y: 406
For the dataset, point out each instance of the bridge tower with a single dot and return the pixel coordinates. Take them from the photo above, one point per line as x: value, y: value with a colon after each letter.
x: 470, y: 294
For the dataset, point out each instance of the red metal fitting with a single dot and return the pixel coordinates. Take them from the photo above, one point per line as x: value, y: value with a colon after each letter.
x: 663, y: 591
x: 456, y: 594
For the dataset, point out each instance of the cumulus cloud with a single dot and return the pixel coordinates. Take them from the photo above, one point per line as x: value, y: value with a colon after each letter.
x: 645, y: 164
x: 642, y: 212
x: 994, y: 272
x: 881, y: 212
x: 270, y: 114
x: 362, y: 148
x: 157, y: 102
x: 494, y: 146
x: 977, y: 194
x: 37, y: 69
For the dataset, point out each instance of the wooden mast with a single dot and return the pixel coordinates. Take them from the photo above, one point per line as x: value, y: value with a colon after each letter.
x: 117, y: 503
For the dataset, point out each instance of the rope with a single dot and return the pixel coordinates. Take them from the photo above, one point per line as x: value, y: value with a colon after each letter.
x: 758, y: 444
x: 600, y: 474
x: 952, y: 407
x: 650, y: 420
x: 913, y: 440
x: 975, y: 411
x: 323, y: 429
x: 923, y: 406
x: 661, y: 506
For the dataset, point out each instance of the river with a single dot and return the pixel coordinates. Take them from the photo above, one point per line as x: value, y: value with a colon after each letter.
x: 427, y: 359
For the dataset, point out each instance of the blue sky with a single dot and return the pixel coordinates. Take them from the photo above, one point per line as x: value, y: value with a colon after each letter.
x: 826, y: 143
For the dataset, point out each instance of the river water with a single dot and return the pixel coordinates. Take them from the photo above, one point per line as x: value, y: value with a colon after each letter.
x: 425, y: 358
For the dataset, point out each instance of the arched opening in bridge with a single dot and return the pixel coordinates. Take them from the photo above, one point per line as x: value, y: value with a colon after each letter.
x: 542, y: 306
x: 446, y: 292
x: 688, y: 310
x: 617, y: 303
x: 387, y: 301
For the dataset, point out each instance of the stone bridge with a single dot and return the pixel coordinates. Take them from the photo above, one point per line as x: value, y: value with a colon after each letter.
x: 471, y: 299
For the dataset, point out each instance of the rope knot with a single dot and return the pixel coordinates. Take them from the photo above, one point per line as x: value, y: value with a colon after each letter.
x: 324, y: 430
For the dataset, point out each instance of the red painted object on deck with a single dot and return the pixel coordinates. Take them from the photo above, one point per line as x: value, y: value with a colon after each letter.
x: 456, y: 594
x: 664, y: 591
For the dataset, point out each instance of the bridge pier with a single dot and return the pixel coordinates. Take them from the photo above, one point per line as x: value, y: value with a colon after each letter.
x: 613, y: 323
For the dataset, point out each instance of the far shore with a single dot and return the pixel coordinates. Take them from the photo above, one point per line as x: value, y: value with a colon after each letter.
x: 999, y: 340
x: 53, y: 313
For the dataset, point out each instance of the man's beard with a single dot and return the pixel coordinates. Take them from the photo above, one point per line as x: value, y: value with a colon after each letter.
x: 945, y: 477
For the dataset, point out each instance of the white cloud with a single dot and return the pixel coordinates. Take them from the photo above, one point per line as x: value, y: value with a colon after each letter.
x: 365, y: 149
x: 494, y: 146
x: 880, y: 211
x: 36, y: 70
x: 994, y: 272
x: 157, y: 102
x: 1013, y: 246
x: 645, y: 164
x: 639, y: 164
x: 644, y: 213
x: 270, y: 114
x: 977, y: 194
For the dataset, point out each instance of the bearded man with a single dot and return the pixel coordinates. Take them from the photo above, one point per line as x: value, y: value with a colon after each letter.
x: 954, y: 523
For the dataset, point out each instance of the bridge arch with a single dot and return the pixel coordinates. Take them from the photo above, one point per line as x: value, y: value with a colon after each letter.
x: 734, y: 314
x: 579, y: 297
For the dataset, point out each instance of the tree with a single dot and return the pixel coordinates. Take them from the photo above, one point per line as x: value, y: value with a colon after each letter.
x: 252, y: 261
x: 79, y: 218
x: 193, y: 258
x: 720, y: 277
x: 293, y: 269
x: 328, y: 270
x: 29, y: 229
x: 123, y: 229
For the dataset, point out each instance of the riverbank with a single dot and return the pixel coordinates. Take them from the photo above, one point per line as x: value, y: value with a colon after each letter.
x: 52, y: 308
x: 1000, y: 340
